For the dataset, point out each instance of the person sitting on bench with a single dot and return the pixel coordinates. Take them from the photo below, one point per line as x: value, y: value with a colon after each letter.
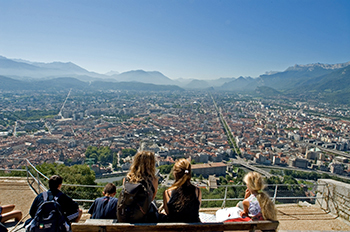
x: 182, y: 200
x: 105, y: 207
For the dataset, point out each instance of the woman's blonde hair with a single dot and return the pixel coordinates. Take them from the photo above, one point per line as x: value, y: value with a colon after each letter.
x: 143, y: 167
x: 255, y: 182
x: 181, y: 172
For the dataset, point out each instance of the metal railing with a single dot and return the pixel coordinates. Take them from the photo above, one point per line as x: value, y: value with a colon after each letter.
x: 39, y: 182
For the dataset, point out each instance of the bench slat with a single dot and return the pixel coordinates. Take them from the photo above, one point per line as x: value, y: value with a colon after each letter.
x: 111, y: 226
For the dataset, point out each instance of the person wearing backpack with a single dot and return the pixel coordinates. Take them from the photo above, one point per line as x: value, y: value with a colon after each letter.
x: 105, y: 207
x: 63, y: 203
x: 135, y: 202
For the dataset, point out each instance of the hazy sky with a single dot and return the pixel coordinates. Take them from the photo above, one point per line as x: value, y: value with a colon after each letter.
x: 182, y: 39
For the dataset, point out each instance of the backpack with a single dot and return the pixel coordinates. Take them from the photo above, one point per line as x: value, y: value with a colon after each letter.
x: 3, y: 228
x: 49, y: 216
x: 134, y: 202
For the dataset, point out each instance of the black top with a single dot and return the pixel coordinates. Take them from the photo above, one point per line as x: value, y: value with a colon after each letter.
x: 104, y: 208
x: 69, y: 207
x: 189, y: 212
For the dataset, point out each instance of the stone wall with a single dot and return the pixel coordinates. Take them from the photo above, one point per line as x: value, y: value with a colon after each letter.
x: 334, y: 196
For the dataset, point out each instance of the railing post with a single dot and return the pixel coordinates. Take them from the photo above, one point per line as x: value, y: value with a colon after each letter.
x: 224, y: 202
x: 27, y: 170
x: 37, y: 179
x: 275, y: 194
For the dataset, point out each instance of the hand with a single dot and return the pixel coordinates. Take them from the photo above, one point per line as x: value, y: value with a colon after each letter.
x: 247, y: 193
x: 243, y: 214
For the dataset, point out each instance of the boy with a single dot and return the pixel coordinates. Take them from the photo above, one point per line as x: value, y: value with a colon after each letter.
x: 69, y: 207
x: 105, y: 207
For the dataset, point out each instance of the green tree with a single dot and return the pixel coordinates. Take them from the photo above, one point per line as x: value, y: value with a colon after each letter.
x: 76, y: 174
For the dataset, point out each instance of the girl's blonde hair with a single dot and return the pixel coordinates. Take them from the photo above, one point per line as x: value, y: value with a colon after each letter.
x: 143, y: 167
x: 182, y: 173
x: 255, y: 182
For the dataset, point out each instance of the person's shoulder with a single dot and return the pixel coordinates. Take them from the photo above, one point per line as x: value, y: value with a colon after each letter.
x: 62, y: 197
x: 114, y: 200
x: 39, y: 197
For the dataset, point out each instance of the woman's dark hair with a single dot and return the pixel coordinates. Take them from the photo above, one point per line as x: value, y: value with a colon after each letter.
x: 182, y: 184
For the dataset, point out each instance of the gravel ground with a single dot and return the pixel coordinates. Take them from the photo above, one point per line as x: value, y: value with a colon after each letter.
x: 16, y: 191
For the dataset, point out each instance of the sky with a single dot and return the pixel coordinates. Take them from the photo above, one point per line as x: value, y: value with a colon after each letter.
x: 201, y: 39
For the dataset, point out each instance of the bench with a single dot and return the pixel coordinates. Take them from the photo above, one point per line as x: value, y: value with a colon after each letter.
x: 108, y: 225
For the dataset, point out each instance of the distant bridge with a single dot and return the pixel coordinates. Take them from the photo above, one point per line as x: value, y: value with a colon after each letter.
x: 253, y: 168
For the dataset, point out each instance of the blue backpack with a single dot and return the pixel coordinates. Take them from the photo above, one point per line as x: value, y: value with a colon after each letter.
x: 49, y: 216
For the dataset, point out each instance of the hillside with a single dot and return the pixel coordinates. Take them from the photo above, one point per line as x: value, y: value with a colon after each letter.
x: 61, y: 83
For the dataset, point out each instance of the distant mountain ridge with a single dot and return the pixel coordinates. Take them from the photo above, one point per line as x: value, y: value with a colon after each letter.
x: 153, y: 77
x: 295, y: 79
x: 24, y: 70
x: 310, y: 67
x: 64, y: 83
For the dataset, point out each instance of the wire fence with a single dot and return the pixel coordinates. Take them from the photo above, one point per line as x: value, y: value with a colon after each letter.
x: 221, y: 196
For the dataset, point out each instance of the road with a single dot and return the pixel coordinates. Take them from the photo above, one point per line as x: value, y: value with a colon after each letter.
x: 253, y: 168
x: 60, y: 113
x: 238, y: 159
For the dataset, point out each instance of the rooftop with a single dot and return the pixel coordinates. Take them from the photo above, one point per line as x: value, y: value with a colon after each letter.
x: 292, y: 217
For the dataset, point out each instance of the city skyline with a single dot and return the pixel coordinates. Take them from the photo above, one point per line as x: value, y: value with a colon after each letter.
x: 181, y: 39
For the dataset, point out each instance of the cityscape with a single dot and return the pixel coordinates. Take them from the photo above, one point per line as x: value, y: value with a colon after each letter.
x: 206, y: 127
x: 242, y: 104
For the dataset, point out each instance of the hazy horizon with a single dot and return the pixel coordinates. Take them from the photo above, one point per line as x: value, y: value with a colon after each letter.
x: 181, y: 39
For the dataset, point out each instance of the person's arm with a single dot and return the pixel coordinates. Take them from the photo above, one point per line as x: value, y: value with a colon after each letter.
x: 199, y: 196
x: 34, y: 206
x: 155, y: 185
x: 166, y: 199
x: 70, y: 207
x: 245, y: 211
x: 92, y: 208
x: 247, y: 193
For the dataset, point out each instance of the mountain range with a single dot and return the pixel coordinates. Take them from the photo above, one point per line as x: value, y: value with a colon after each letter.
x: 308, y: 78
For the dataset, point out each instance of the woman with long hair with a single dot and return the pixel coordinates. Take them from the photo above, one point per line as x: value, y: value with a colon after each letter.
x: 143, y: 168
x: 135, y: 203
x: 182, y: 200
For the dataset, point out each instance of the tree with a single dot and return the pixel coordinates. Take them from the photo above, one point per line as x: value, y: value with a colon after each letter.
x: 128, y: 152
x: 76, y: 174
x: 200, y: 177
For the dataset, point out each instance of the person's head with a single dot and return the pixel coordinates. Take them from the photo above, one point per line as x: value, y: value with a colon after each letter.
x: 254, y: 181
x: 181, y: 172
x: 255, y: 184
x: 55, y: 182
x: 110, y: 189
x: 143, y: 167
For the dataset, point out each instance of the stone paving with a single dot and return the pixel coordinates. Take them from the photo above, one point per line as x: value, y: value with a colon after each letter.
x: 292, y: 217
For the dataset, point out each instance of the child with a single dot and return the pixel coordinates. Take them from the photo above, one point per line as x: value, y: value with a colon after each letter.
x: 257, y: 205
x: 105, y: 207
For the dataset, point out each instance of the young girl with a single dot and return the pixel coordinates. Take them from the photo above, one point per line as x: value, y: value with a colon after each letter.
x: 257, y: 205
x: 182, y: 200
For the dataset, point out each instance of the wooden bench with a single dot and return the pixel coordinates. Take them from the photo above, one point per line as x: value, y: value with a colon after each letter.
x: 107, y: 225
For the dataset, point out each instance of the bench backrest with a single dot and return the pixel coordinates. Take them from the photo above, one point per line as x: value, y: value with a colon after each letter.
x: 97, y: 225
